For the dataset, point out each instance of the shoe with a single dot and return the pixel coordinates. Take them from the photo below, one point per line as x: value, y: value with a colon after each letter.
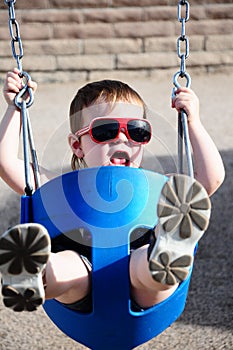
x: 24, y: 252
x: 183, y: 214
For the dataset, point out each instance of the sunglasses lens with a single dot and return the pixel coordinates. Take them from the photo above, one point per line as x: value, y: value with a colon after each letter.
x: 139, y: 130
x: 104, y: 129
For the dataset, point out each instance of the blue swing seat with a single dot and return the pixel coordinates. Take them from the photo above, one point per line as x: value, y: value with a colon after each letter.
x: 109, y: 202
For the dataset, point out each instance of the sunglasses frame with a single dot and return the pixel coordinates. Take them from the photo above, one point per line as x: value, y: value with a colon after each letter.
x: 123, y: 127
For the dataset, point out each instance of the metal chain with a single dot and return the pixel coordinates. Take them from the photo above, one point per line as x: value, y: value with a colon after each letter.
x: 183, y: 133
x: 17, y: 53
x: 182, y: 41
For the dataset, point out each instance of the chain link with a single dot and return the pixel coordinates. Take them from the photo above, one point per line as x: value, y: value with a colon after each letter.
x: 182, y: 41
x: 17, y: 52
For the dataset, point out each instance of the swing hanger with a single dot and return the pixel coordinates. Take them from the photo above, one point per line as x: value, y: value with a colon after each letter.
x: 183, y: 133
x: 23, y: 100
x: 25, y: 93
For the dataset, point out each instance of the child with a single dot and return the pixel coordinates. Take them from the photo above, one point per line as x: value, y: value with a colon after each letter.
x: 108, y: 127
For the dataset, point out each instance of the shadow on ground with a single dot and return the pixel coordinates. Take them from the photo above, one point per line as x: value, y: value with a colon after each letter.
x: 210, y: 300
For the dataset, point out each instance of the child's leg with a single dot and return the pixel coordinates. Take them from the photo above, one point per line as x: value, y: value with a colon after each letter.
x: 183, y: 211
x: 145, y: 291
x: 66, y: 277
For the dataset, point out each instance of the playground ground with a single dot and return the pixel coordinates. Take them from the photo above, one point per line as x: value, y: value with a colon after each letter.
x: 207, y: 321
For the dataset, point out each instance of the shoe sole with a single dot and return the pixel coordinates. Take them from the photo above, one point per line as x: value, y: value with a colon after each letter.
x: 24, y: 252
x: 183, y: 212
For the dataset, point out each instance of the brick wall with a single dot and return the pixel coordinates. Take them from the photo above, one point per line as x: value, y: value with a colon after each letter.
x: 94, y: 39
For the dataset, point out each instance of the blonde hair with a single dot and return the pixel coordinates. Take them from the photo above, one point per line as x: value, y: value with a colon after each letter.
x: 104, y: 91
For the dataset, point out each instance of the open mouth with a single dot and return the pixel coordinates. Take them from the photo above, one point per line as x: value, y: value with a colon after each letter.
x: 120, y: 158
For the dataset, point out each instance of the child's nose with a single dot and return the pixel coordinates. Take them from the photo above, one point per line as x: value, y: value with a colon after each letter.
x: 122, y: 135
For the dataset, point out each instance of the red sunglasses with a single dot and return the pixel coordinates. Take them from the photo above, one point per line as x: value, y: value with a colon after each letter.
x: 103, y: 130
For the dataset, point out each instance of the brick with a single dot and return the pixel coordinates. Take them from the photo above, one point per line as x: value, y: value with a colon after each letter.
x: 120, y: 3
x: 210, y: 58
x: 158, y: 13
x: 4, y: 35
x: 146, y: 60
x: 141, y: 29
x: 102, y: 30
x: 113, y: 45
x: 209, y: 27
x: 7, y: 64
x: 4, y: 18
x: 85, y: 3
x: 4, y: 32
x: 170, y: 12
x: 39, y: 63
x: 219, y: 42
x: 77, y: 3
x: 5, y: 49
x: 220, y: 11
x: 36, y: 31
x: 51, y: 16
x: 28, y: 4
x: 203, y: 2
x: 53, y: 47
x: 160, y: 44
x: 86, y: 62
x: 111, y: 15
x: 197, y: 13
x: 196, y: 43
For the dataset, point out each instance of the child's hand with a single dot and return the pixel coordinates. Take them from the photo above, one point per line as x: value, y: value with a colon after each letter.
x: 13, y: 84
x: 187, y: 100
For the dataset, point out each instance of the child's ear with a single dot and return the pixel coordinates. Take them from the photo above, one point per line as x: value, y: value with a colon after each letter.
x: 75, y: 145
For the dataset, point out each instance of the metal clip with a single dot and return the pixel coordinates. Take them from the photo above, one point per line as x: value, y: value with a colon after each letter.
x: 26, y: 89
x: 184, y: 75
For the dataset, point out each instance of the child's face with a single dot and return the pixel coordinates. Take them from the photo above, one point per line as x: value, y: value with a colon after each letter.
x: 121, y: 151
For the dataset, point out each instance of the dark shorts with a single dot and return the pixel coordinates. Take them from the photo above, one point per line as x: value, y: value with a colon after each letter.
x: 139, y: 237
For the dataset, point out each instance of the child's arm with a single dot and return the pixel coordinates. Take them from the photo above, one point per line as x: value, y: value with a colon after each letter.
x: 11, y: 167
x: 208, y: 165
